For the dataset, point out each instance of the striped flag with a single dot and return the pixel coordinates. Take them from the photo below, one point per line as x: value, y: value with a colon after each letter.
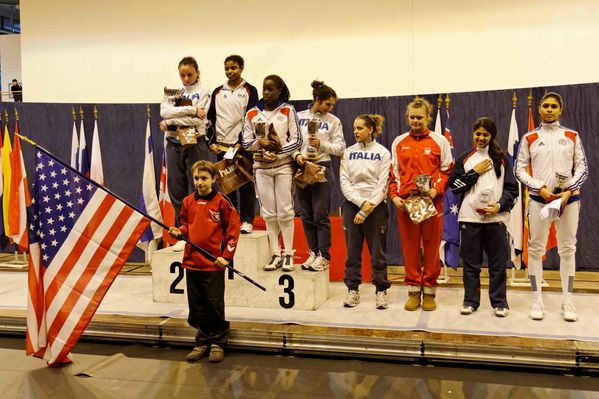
x: 6, y: 175
x: 19, y: 196
x: 515, y: 225
x: 96, y: 170
x: 82, y: 155
x: 166, y: 206
x: 81, y: 235
x: 74, y: 148
x: 1, y: 191
x: 450, y: 243
x: 149, y: 199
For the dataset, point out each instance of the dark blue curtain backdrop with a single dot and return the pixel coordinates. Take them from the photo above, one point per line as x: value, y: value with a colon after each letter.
x: 122, y: 128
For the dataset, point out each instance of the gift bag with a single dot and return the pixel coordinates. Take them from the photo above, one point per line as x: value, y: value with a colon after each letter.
x: 310, y: 174
x: 420, y: 208
x: 231, y: 175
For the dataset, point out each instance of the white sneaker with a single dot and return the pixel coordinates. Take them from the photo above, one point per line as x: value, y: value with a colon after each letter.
x: 246, y: 228
x: 320, y: 263
x: 311, y: 258
x: 501, y: 312
x: 381, y: 300
x: 275, y: 262
x: 352, y: 299
x: 179, y: 246
x: 536, y: 311
x: 569, y: 311
x: 466, y: 310
x: 288, y: 265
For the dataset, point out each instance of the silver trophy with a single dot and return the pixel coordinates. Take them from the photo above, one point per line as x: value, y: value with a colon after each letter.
x: 561, y: 178
x: 312, y: 152
x: 423, y: 183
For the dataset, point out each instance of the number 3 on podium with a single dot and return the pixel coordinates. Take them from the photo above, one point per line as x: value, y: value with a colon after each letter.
x: 287, y: 301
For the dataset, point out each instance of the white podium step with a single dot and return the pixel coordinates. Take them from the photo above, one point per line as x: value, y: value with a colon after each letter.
x: 300, y: 289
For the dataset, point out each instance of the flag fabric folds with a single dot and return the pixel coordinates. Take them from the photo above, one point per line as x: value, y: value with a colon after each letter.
x: 6, y: 175
x: 149, y: 199
x: 451, y: 206
x: 80, y: 237
x: 515, y: 225
x: 166, y: 206
x: 82, y: 155
x: 96, y: 172
x: 19, y: 197
x: 74, y: 148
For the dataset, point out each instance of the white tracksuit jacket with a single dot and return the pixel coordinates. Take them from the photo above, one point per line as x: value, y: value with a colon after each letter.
x: 330, y: 134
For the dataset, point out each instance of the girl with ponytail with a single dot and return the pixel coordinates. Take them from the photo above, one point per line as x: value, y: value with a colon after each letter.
x: 364, y: 174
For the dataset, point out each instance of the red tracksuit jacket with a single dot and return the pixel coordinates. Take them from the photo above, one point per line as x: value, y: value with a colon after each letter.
x: 212, y: 223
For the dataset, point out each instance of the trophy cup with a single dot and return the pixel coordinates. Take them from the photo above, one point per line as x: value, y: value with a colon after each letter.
x: 423, y: 183
x: 261, y: 129
x: 561, y: 178
x: 312, y: 152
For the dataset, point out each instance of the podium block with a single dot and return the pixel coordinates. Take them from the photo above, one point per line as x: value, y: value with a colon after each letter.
x: 300, y: 289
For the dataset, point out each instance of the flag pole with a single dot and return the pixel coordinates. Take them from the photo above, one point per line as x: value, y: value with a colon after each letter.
x: 195, y: 246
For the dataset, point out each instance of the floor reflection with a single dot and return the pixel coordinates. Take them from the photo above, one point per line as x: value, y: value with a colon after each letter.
x: 111, y: 371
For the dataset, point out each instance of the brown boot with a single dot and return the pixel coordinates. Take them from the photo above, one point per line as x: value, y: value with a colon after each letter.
x: 428, y: 302
x: 413, y: 302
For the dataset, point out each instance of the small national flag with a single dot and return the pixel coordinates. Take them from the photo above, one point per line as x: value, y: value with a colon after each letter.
x: 81, y: 235
x: 450, y: 243
x: 166, y: 206
x: 149, y: 199
x: 96, y: 171
x: 6, y: 176
x: 82, y: 155
x: 75, y: 148
x: 515, y: 226
x: 19, y: 196
x: 1, y: 191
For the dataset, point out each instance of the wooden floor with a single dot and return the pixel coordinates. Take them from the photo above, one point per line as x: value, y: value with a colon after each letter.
x: 586, y: 281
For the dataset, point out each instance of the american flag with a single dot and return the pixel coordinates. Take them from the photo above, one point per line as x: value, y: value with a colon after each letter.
x: 80, y: 237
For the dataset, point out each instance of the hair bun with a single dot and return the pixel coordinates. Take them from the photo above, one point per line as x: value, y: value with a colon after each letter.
x: 317, y: 83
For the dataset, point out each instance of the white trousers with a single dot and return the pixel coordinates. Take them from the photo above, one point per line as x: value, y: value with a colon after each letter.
x: 274, y: 189
x: 565, y: 227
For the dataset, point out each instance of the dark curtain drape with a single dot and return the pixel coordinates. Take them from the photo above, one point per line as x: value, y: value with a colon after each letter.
x: 122, y: 129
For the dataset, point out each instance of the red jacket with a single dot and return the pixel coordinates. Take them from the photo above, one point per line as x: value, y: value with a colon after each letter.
x: 212, y: 223
x: 412, y: 155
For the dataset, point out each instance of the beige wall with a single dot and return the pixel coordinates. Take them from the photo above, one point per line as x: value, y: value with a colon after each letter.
x: 126, y: 51
x: 10, y: 61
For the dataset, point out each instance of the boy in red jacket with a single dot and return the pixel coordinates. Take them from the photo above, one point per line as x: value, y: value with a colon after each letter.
x: 209, y: 220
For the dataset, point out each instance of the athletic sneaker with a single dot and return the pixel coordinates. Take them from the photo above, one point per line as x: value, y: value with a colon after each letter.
x: 246, y: 228
x: 352, y: 299
x: 536, y: 310
x: 275, y: 262
x: 466, y: 310
x: 197, y: 353
x: 321, y: 263
x: 569, y: 311
x: 179, y: 246
x: 217, y: 354
x: 311, y: 258
x: 500, y: 312
x: 381, y: 300
x: 288, y: 265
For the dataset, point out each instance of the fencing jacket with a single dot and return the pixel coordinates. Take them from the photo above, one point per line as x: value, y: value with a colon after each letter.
x: 428, y: 153
x: 364, y: 173
x: 284, y: 120
x: 212, y: 223
x: 464, y: 180
x: 186, y: 115
x: 227, y: 110
x: 548, y: 149
x: 330, y: 134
